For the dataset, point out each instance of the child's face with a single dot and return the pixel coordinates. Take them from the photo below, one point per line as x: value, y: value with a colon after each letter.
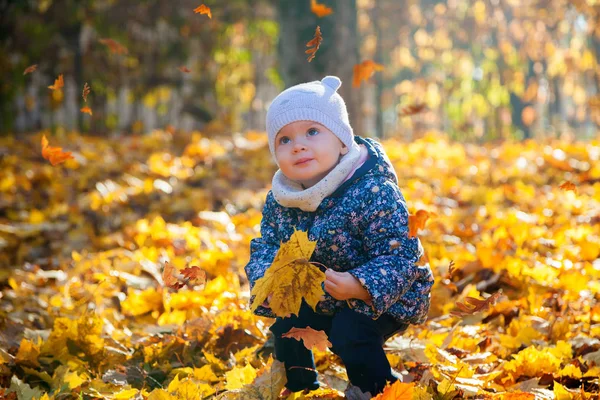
x: 307, y: 151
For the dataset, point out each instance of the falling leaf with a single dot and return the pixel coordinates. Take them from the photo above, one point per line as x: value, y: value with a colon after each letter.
x: 290, y: 277
x: 416, y: 222
x: 316, y: 42
x: 202, y: 9
x: 170, y: 278
x: 397, y: 391
x: 363, y: 71
x: 58, y: 83
x: 310, y: 337
x: 114, y: 46
x: 54, y: 154
x: 567, y: 185
x: 86, y: 91
x: 473, y: 305
x: 193, y: 275
x: 320, y: 10
x: 184, y: 69
x: 86, y: 110
x: 412, y: 109
x: 30, y: 69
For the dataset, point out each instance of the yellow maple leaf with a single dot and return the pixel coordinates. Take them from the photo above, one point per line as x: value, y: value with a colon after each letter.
x: 290, y: 277
x: 238, y: 377
x: 28, y: 353
x: 397, y: 391
x: 561, y: 392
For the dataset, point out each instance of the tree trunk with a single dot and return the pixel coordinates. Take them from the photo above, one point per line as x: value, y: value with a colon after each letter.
x: 337, y: 54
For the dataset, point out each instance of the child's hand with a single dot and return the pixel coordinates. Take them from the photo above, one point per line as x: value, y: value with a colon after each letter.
x: 265, y: 303
x: 344, y: 286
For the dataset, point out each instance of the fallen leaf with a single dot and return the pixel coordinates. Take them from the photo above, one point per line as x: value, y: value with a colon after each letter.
x: 310, y: 337
x: 316, y: 42
x: 114, y: 46
x: 202, y: 9
x: 30, y: 69
x: 363, y: 71
x: 473, y: 305
x: 320, y: 10
x: 54, y: 154
x: 397, y: 391
x: 58, y: 83
x: 169, y: 278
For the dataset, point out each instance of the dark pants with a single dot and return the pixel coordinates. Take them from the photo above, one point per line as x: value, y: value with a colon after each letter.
x: 357, y: 339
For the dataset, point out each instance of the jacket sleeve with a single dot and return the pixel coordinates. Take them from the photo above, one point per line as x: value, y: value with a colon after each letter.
x: 263, y: 250
x: 392, y: 255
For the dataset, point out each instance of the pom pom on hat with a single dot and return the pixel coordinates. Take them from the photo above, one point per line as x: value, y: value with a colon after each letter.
x: 316, y: 101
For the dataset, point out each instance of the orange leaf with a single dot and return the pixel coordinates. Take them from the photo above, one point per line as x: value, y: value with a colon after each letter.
x: 184, y: 69
x: 413, y: 109
x: 195, y: 275
x: 114, y: 46
x: 310, y: 337
x: 30, y: 69
x: 54, y: 154
x: 567, y: 185
x: 396, y: 391
x: 86, y: 91
x: 59, y: 83
x: 202, y: 9
x: 473, y: 305
x: 320, y: 10
x: 364, y: 70
x: 86, y: 110
x: 169, y: 277
x: 316, y: 42
x: 416, y: 222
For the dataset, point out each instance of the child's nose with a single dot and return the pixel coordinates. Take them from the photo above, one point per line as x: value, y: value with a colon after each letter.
x: 299, y: 146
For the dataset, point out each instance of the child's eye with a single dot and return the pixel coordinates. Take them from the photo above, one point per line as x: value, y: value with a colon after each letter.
x: 284, y: 140
x: 312, y: 132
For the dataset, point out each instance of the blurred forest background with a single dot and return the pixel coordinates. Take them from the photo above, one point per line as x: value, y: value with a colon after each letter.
x: 484, y: 69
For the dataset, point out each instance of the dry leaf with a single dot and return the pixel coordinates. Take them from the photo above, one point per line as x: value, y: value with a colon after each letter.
x: 114, y: 46
x: 412, y: 109
x: 567, y: 185
x: 290, y: 277
x: 169, y: 277
x: 30, y: 69
x: 363, y: 71
x: 86, y: 91
x: 310, y: 337
x: 320, y: 10
x: 54, y: 154
x: 316, y: 42
x: 86, y: 110
x: 397, y: 391
x: 473, y: 305
x: 416, y: 222
x: 59, y: 83
x: 184, y: 69
x: 192, y: 275
x: 202, y: 9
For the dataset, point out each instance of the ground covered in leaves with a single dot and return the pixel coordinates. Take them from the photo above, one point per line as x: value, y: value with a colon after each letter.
x: 84, y: 312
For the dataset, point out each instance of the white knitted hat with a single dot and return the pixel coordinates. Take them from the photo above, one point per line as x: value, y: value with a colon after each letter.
x: 316, y: 101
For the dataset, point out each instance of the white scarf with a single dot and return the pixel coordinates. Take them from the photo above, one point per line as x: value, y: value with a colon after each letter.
x: 291, y: 194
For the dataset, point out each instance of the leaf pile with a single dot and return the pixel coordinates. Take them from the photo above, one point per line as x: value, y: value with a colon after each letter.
x: 84, y: 312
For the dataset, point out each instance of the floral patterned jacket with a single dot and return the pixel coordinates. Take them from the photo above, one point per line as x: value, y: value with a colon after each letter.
x: 362, y: 228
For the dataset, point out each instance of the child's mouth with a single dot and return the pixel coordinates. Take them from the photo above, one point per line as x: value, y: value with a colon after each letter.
x: 303, y: 161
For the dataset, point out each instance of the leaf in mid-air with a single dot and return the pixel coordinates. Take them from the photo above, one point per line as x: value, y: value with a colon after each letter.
x: 416, y: 222
x: 55, y: 155
x: 314, y: 43
x: 310, y: 337
x: 114, y: 46
x: 30, y: 69
x: 473, y: 305
x: 290, y: 278
x: 193, y: 275
x: 185, y: 69
x: 86, y: 110
x: 203, y: 9
x: 363, y: 71
x: 58, y: 83
x: 320, y: 10
x: 412, y: 109
x: 86, y: 91
x: 567, y: 185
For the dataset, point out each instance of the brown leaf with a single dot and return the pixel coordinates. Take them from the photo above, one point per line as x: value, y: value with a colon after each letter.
x: 86, y: 91
x: 413, y: 109
x: 184, y: 69
x: 363, y: 71
x: 59, y: 83
x: 315, y: 42
x: 114, y: 46
x: 194, y: 275
x: 30, y: 69
x: 473, y: 305
x: 310, y: 337
x: 203, y: 9
x: 54, y: 154
x: 320, y: 10
x: 169, y: 277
